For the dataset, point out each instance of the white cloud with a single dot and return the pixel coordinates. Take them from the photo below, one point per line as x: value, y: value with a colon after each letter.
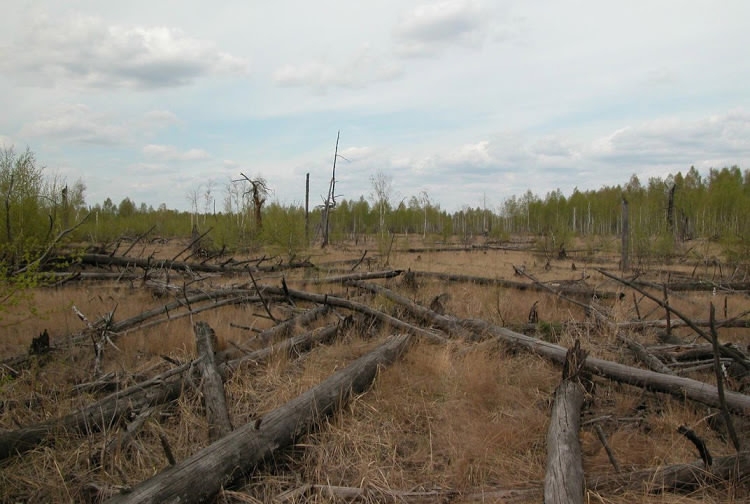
x: 84, y: 50
x: 356, y: 153
x: 161, y: 118
x: 77, y: 123
x: 361, y: 69
x: 426, y: 28
x: 172, y: 153
x: 6, y: 142
x: 672, y: 141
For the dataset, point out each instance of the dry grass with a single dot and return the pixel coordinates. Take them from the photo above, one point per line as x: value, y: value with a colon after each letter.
x: 459, y: 416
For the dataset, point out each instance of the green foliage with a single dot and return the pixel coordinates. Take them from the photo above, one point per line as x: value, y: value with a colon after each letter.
x: 283, y: 229
x: 34, y: 209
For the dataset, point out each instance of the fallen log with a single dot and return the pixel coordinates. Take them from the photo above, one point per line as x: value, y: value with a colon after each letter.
x: 325, y: 299
x: 644, y: 355
x: 160, y: 389
x: 733, y: 323
x: 99, y: 415
x: 677, y: 477
x: 725, y: 350
x: 284, y: 328
x: 293, y: 345
x: 200, y: 477
x: 212, y: 387
x: 510, y: 284
x: 563, y: 481
x: 368, y: 275
x: 678, y: 386
x: 697, y: 286
x: 152, y: 264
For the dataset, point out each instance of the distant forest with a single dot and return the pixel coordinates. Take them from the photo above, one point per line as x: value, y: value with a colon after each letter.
x: 35, y: 209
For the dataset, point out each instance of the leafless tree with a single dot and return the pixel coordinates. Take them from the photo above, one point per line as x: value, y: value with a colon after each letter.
x: 259, y: 191
x: 330, y: 202
x: 382, y: 186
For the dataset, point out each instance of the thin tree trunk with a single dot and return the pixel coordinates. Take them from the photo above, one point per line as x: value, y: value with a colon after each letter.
x: 625, y: 262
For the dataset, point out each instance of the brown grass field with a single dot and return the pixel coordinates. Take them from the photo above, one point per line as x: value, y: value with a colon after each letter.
x: 467, y: 417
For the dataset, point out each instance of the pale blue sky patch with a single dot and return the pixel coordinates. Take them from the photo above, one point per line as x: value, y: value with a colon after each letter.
x: 460, y: 98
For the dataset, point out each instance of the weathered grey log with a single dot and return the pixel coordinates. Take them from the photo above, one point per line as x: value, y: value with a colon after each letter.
x: 212, y: 387
x: 644, y: 355
x: 284, y: 328
x: 158, y: 390
x: 510, y: 284
x: 199, y: 477
x: 121, y: 439
x: 563, y: 481
x: 699, y: 285
x: 325, y: 299
x: 676, y: 385
x: 726, y: 351
x: 99, y: 415
x: 149, y: 263
x: 734, y: 322
x: 368, y: 275
x: 295, y: 344
x: 677, y: 477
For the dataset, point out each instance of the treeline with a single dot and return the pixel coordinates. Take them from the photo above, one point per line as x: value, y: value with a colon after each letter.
x: 35, y: 208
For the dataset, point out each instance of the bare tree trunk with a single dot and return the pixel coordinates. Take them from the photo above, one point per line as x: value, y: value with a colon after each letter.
x: 563, y: 481
x: 199, y: 477
x: 670, y: 209
x: 307, y: 210
x: 625, y: 263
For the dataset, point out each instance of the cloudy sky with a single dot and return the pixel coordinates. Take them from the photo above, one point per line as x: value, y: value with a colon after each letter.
x: 468, y: 100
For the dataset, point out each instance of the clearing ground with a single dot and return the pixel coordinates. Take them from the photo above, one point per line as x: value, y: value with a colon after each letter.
x: 464, y: 420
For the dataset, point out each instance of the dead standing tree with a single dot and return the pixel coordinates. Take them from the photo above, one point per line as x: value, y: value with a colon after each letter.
x: 259, y: 190
x: 330, y: 202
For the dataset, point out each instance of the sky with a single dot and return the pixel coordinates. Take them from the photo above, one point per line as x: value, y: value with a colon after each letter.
x: 466, y: 101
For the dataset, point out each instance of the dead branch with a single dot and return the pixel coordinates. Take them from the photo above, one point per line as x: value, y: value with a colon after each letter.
x: 725, y: 350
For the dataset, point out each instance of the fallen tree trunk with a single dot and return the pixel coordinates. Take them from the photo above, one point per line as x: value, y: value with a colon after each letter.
x: 676, y: 385
x: 284, y: 328
x: 212, y: 385
x: 735, y: 323
x: 697, y: 286
x: 99, y: 415
x: 644, y: 355
x: 153, y: 264
x: 509, y: 284
x: 295, y: 344
x: 199, y: 477
x: 325, y: 299
x: 369, y: 275
x: 677, y: 477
